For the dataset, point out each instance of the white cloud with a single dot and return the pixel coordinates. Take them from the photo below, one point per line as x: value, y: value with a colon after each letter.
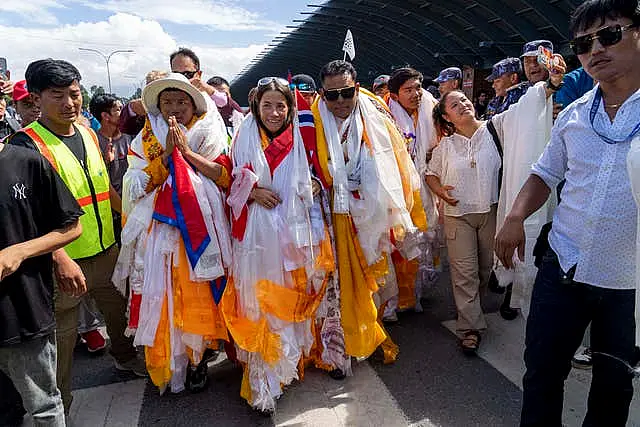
x: 218, y: 14
x: 152, y: 45
x: 35, y: 11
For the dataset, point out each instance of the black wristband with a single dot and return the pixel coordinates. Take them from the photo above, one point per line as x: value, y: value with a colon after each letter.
x: 553, y: 87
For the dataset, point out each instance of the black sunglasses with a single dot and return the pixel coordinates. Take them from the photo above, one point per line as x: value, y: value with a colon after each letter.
x: 608, y: 36
x: 188, y: 74
x: 345, y: 93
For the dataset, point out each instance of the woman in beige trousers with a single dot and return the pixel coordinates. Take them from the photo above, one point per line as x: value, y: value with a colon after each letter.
x: 463, y: 172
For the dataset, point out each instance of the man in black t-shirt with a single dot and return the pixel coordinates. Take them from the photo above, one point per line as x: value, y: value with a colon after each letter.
x: 39, y: 215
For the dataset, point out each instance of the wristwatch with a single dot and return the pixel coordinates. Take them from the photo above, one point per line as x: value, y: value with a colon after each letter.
x: 553, y: 87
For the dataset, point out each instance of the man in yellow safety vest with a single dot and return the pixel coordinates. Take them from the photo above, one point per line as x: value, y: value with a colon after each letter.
x: 88, y: 262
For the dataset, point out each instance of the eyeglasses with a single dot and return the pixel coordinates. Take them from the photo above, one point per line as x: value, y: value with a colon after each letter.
x: 302, y: 87
x: 608, y: 36
x: 266, y: 80
x: 188, y: 74
x: 345, y: 93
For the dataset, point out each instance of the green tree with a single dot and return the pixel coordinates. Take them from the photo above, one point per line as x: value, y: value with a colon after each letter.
x: 137, y: 94
x: 97, y: 90
x: 85, y: 97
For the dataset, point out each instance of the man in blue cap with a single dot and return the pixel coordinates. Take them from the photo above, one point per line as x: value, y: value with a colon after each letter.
x: 505, y: 77
x: 533, y: 69
x: 450, y: 79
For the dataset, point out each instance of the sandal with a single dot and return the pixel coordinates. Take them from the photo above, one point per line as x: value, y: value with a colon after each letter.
x: 470, y: 343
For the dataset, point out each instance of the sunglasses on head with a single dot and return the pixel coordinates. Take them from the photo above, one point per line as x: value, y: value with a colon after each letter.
x: 188, y: 74
x: 607, y: 36
x: 345, y: 93
x: 266, y: 80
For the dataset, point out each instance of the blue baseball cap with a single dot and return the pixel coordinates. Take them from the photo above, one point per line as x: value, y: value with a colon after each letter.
x: 508, y: 65
x: 531, y: 48
x: 451, y: 73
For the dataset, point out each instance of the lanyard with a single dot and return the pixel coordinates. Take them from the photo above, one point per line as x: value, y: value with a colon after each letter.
x: 592, y: 115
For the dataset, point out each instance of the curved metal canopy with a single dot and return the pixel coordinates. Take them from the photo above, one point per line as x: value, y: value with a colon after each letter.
x: 427, y: 35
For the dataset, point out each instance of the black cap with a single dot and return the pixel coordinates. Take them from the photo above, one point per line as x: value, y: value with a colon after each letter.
x: 303, y: 82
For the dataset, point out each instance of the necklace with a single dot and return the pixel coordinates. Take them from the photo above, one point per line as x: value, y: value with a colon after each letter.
x: 592, y: 115
x: 613, y: 106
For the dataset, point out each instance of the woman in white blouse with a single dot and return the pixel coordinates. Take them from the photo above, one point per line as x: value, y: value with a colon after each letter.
x: 463, y: 172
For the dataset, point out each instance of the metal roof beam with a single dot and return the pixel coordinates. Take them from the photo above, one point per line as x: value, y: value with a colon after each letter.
x: 406, y: 31
x: 520, y: 25
x: 364, y: 30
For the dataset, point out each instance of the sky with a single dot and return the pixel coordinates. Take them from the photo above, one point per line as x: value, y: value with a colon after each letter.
x: 225, y: 34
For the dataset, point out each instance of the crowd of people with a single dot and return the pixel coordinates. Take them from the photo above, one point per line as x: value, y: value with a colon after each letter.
x: 288, y: 235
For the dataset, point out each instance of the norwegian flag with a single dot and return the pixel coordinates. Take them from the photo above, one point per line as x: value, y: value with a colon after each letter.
x: 308, y: 131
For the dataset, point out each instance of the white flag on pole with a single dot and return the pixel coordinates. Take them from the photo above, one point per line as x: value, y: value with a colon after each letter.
x: 349, y: 47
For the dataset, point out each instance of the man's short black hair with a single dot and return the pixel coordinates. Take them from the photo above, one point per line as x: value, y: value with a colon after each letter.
x: 185, y: 51
x: 401, y: 76
x: 218, y: 81
x: 337, y: 68
x: 50, y: 73
x: 596, y: 11
x: 101, y: 103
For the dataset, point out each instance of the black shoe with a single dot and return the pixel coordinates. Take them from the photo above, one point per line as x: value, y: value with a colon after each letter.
x: 197, y: 377
x: 337, y: 374
x: 583, y: 360
x: 506, y: 311
x: 494, y: 285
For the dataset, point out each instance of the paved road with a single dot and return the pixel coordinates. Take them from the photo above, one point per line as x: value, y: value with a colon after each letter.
x: 431, y: 384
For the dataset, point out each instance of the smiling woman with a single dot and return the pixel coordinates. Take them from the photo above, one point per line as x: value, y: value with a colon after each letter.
x: 463, y: 172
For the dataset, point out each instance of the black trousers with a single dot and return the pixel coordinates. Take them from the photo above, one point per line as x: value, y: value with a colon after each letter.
x: 560, y: 312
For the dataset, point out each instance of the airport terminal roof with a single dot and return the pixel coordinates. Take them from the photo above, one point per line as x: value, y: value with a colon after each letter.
x: 427, y: 35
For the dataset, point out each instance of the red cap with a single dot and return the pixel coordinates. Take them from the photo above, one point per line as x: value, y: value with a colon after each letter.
x: 20, y: 90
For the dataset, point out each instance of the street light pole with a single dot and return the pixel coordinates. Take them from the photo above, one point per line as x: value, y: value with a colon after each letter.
x: 107, y: 58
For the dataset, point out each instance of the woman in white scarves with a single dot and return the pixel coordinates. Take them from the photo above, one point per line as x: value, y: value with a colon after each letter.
x: 176, y: 240
x: 274, y: 289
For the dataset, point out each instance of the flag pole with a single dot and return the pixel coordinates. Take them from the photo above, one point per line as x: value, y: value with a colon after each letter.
x: 344, y: 57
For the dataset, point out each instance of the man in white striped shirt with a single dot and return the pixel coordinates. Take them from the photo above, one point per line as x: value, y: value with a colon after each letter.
x: 588, y: 275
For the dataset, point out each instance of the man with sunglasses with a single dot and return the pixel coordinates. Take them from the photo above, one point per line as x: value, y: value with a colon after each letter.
x: 187, y: 63
x: 364, y: 166
x: 589, y: 272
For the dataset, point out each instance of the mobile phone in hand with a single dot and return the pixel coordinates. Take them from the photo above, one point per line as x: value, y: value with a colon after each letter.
x: 546, y: 58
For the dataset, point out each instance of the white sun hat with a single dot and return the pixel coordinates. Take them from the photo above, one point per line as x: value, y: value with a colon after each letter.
x: 151, y: 92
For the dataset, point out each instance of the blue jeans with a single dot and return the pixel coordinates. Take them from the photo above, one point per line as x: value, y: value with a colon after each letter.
x: 31, y: 365
x: 559, y: 315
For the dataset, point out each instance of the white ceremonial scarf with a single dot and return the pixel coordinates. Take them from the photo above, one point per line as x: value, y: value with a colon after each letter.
x: 373, y: 172
x: 524, y: 130
x: 420, y: 148
x: 425, y: 134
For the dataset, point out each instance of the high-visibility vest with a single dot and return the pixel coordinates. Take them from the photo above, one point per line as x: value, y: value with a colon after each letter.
x: 88, y: 182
